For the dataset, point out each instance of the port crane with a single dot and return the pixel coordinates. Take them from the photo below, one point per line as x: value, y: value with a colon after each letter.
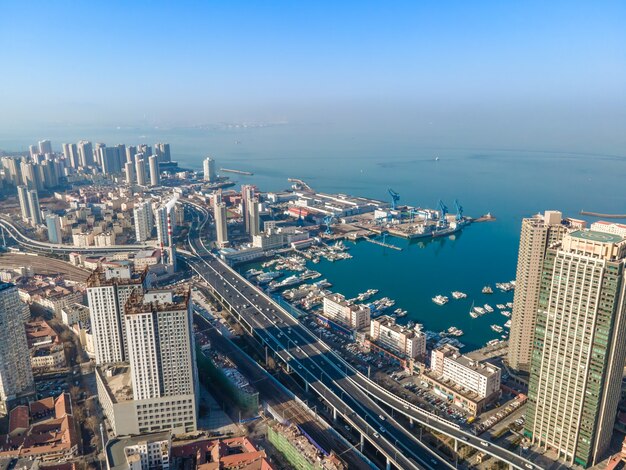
x: 459, y: 210
x: 328, y: 220
x: 395, y: 197
x: 444, y: 211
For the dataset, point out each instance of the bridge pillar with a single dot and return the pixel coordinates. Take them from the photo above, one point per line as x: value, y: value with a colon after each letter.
x: 388, y: 464
x: 362, y: 442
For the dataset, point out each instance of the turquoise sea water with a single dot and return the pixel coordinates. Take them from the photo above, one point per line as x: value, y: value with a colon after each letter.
x: 508, y: 183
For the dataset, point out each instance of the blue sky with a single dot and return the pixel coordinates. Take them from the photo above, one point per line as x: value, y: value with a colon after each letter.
x: 184, y: 63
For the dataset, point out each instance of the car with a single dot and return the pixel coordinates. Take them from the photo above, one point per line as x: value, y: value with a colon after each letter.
x: 406, y: 407
x: 484, y: 443
x: 376, y: 435
x: 382, y: 430
x: 527, y: 465
x: 382, y: 418
x: 433, y: 461
x: 347, y: 427
x: 465, y: 438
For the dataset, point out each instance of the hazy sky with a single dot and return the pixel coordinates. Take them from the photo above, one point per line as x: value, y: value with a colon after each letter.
x: 550, y: 70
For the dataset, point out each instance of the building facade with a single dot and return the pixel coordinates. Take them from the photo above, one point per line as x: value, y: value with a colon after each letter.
x: 579, y: 347
x: 337, y: 308
x: 398, y: 339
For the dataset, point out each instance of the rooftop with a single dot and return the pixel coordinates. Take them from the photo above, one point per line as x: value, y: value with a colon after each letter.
x: 117, y: 380
x: 106, y: 277
x: 156, y: 300
x: 600, y: 237
x: 116, y: 457
x: 6, y: 285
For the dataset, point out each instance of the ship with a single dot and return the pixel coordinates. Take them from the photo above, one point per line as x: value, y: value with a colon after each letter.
x: 506, y: 313
x: 440, y: 299
x: 253, y: 272
x: 266, y: 277
x: 500, y: 306
x: 288, y: 281
x: 507, y: 324
x: 509, y: 304
x: 487, y: 290
x: 496, y: 328
x: 459, y: 295
x: 480, y: 310
x: 488, y: 308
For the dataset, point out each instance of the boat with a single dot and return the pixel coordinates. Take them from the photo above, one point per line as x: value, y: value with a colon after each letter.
x: 473, y: 314
x: 507, y: 324
x: 400, y: 313
x: 487, y: 290
x: 480, y: 310
x: 366, y: 295
x: 509, y: 304
x: 493, y: 342
x: 500, y: 306
x: 266, y: 277
x: 496, y: 328
x: 506, y: 313
x: 253, y: 272
x: 488, y: 308
x: 454, y: 331
x: 309, y: 274
x: 459, y: 295
x: 288, y: 281
x: 440, y: 299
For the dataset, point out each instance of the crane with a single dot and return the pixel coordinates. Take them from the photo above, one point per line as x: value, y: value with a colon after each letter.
x: 459, y: 210
x: 444, y: 210
x: 328, y: 220
x: 395, y: 197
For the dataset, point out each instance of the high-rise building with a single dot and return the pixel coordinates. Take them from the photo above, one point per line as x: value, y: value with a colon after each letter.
x: 33, y: 207
x: 85, y: 153
x: 97, y: 154
x: 144, y: 221
x: 16, y: 375
x: 45, y: 147
x: 107, y: 292
x: 30, y: 175
x: 162, y: 151
x: 22, y: 195
x: 53, y: 222
x: 247, y: 194
x: 49, y: 173
x: 73, y: 157
x: 33, y: 150
x: 129, y: 172
x: 140, y: 169
x: 157, y: 389
x: 66, y: 151
x: 538, y: 234
x: 221, y: 225
x: 161, y: 349
x: 155, y: 176
x: 164, y: 222
x: 12, y: 170
x: 209, y: 170
x: 109, y: 160
x: 579, y: 347
x: 253, y: 217
x: 131, y: 151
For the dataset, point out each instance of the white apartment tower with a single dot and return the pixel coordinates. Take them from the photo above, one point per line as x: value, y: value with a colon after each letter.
x: 155, y: 176
x: 144, y: 221
x: 22, y: 195
x: 253, y: 217
x: 16, y: 376
x: 107, y: 293
x: 221, y: 225
x: 208, y: 166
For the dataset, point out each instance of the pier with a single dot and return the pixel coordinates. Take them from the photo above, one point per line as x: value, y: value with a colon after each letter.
x: 604, y: 216
x: 386, y: 245
x: 238, y: 172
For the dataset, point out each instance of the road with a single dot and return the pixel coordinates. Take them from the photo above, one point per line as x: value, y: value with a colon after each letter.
x: 325, y: 369
x: 278, y: 398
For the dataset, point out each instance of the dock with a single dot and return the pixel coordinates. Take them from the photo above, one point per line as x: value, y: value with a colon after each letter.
x: 604, y: 216
x: 238, y: 172
x: 386, y: 245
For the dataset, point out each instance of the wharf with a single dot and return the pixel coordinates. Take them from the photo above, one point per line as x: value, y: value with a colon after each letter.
x: 238, y: 172
x: 386, y: 245
x: 604, y: 216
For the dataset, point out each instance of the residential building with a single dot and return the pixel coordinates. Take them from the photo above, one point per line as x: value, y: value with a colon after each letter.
x: 45, y: 147
x: 142, y: 452
x: 144, y: 221
x: 247, y: 194
x: 22, y: 195
x: 337, y: 308
x: 579, y: 347
x: 34, y: 208
x: 538, y: 234
x: 16, y: 376
x: 406, y: 342
x: 140, y: 169
x: 221, y: 226
x: 208, y: 166
x: 46, y: 348
x: 163, y: 152
x: 253, y: 217
x: 129, y: 171
x: 75, y: 313
x: 85, y: 153
x: 155, y: 176
x: 158, y: 389
x: 609, y: 227
x: 481, y: 378
x: 107, y: 293
x: 53, y: 222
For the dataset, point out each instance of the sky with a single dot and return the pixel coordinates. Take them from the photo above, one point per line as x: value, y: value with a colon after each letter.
x: 529, y: 72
